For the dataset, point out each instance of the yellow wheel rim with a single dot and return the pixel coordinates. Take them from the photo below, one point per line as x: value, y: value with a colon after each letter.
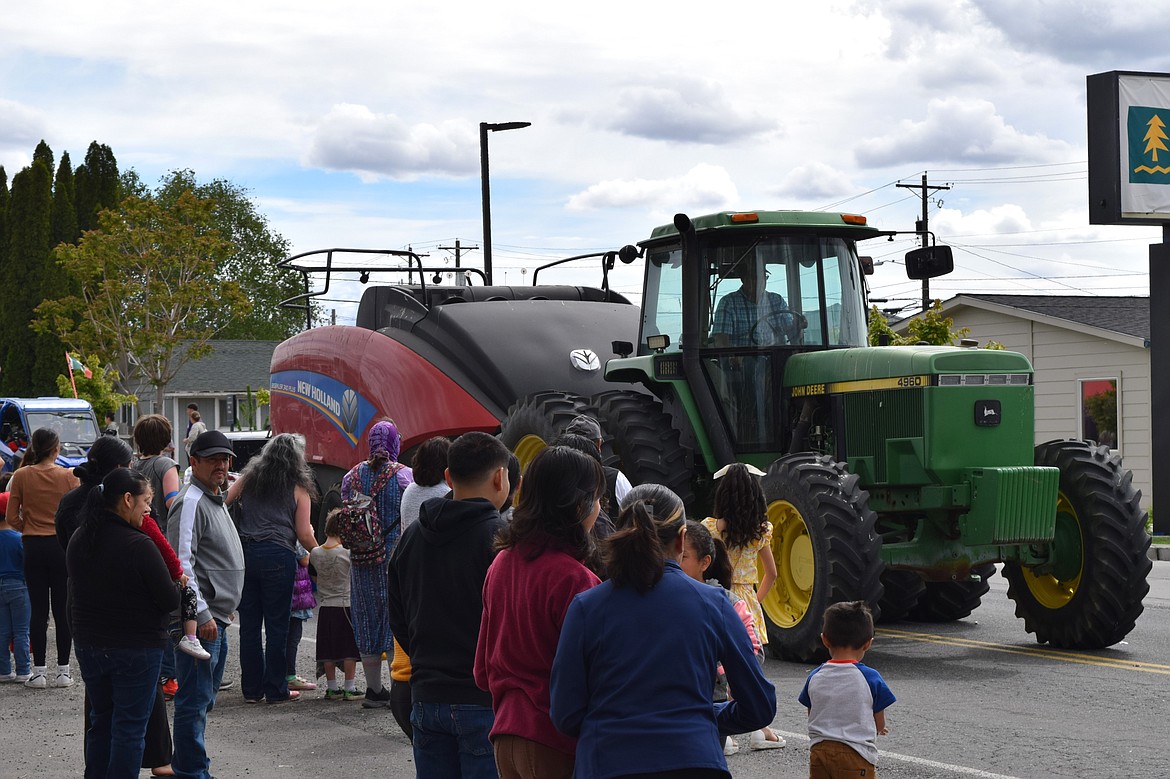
x: 528, y: 447
x: 788, y: 602
x: 1055, y: 590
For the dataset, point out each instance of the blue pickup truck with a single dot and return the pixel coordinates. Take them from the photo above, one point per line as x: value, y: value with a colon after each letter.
x: 73, y: 420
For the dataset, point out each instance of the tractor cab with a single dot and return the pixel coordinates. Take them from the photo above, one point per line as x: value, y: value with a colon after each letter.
x: 763, y: 286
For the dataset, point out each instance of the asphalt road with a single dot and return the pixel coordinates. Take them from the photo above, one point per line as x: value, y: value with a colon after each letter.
x: 976, y: 698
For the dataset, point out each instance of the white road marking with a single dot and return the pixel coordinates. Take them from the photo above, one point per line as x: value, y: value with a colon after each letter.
x: 922, y: 761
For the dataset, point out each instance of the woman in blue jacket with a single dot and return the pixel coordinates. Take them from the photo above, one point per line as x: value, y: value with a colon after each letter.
x: 637, y: 655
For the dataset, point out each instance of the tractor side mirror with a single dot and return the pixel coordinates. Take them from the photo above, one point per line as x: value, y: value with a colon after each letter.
x: 866, y: 265
x: 929, y: 262
x: 628, y: 254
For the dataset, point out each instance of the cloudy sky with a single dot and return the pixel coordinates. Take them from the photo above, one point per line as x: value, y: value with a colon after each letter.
x: 356, y: 123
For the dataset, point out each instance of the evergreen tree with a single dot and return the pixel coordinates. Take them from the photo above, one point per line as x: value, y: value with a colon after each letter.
x: 3, y: 217
x: 43, y: 154
x: 30, y: 229
x: 54, y: 281
x: 96, y: 185
x: 64, y: 208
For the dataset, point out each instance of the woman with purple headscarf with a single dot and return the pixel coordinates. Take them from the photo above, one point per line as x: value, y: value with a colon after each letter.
x: 368, y: 582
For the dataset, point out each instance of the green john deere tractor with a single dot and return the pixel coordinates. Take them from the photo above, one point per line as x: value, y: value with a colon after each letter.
x: 894, y: 475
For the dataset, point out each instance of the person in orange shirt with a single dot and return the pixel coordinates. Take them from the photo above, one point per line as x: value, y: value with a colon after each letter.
x: 34, y: 492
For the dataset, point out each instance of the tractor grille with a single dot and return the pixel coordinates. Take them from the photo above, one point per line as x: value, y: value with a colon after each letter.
x: 1025, y: 504
x: 871, y: 418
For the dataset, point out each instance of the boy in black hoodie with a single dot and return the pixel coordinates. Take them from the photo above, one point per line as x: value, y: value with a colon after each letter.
x: 435, y: 585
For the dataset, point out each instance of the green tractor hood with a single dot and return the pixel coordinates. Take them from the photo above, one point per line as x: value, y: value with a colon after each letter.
x: 894, y: 362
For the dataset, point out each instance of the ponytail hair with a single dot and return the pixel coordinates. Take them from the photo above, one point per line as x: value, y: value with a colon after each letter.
x: 44, y: 440
x: 652, y: 518
x: 106, y: 454
x: 104, y: 498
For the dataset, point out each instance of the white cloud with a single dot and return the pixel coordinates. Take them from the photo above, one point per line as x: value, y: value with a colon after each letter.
x: 690, y: 111
x: 958, y: 130
x: 998, y: 220
x: 815, y: 181
x: 21, y: 127
x: 707, y: 187
x: 1122, y: 34
x: 353, y: 138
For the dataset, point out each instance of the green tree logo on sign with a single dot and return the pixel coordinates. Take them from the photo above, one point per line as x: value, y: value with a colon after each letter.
x: 1148, y: 137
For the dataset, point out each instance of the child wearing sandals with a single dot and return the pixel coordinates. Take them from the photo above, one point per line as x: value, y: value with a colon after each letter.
x: 705, y: 559
x: 335, y: 641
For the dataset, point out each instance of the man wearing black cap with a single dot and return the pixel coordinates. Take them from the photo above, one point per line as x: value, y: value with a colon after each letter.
x: 205, y: 540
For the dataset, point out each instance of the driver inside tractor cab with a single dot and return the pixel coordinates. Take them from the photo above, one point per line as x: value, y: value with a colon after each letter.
x: 754, y: 318
x: 753, y: 315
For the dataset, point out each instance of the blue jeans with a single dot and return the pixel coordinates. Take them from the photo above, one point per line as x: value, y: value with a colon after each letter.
x: 121, y: 684
x: 451, y: 740
x: 15, y: 614
x: 198, y: 683
x: 269, y: 570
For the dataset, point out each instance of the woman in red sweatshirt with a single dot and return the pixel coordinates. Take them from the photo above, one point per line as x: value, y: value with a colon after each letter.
x: 541, y: 567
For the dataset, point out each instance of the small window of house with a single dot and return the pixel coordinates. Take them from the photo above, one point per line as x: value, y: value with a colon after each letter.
x: 1099, y: 408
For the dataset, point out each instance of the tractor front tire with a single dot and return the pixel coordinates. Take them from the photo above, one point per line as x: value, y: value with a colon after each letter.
x: 826, y: 548
x: 900, y: 593
x: 645, y: 444
x: 950, y: 601
x: 534, y: 421
x: 1091, y: 595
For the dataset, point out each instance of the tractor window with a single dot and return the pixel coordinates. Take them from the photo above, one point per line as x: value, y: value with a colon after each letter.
x: 663, y: 302
x: 783, y: 290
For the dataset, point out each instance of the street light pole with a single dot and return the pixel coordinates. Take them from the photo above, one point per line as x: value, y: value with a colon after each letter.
x: 484, y: 127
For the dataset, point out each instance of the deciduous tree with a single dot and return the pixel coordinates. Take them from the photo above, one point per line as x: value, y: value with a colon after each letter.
x: 252, y: 264
x: 149, y: 294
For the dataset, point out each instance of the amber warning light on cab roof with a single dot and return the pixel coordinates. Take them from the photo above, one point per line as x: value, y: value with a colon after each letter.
x: 853, y: 219
x: 744, y: 218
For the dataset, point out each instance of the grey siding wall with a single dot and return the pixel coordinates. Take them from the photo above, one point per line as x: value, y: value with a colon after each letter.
x: 1062, y: 357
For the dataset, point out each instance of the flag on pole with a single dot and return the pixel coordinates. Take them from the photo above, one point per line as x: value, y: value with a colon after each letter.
x: 76, y: 365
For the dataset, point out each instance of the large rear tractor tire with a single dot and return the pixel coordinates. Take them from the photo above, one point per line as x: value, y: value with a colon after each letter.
x: 826, y: 551
x: 533, y: 422
x: 330, y: 500
x: 1090, y: 595
x: 900, y: 593
x: 950, y: 601
x: 646, y: 446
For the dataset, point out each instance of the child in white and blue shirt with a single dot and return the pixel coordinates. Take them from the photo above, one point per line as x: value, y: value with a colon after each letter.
x: 846, y: 699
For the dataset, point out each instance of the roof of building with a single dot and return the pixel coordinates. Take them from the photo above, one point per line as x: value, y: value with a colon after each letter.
x: 232, y: 366
x: 1124, y: 319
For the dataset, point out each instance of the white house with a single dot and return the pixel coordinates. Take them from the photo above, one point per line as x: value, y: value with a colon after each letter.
x: 218, y: 384
x: 1091, y: 356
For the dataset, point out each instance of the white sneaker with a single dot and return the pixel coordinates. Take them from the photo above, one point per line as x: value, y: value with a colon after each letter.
x: 64, y: 679
x: 37, y: 681
x: 22, y: 678
x: 760, y: 741
x: 729, y: 746
x: 192, y: 647
x: 8, y: 677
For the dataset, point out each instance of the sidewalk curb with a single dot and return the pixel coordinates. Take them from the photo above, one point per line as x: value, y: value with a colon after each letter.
x: 1159, y: 552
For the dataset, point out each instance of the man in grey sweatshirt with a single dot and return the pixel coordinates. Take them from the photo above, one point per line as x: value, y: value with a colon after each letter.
x: 205, y: 539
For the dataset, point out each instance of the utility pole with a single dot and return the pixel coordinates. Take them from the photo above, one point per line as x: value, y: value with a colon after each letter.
x: 923, y: 228
x: 458, y: 248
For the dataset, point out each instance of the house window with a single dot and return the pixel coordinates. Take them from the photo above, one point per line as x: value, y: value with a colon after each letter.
x: 1098, y: 408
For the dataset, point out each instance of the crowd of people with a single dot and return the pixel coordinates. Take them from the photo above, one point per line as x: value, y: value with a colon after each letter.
x: 577, y: 626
